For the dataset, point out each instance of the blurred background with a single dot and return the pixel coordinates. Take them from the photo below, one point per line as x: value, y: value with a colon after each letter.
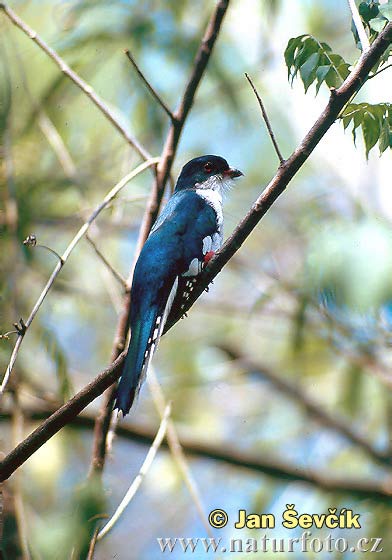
x: 285, y: 361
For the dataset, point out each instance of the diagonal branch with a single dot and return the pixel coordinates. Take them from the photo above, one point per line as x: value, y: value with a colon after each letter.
x: 153, y: 92
x: 76, y: 79
x: 59, y: 419
x: 243, y: 230
x: 312, y: 407
x: 288, y: 170
x: 359, y: 26
x: 266, y: 120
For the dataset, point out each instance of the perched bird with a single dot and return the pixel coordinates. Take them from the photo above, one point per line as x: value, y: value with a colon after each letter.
x: 182, y: 241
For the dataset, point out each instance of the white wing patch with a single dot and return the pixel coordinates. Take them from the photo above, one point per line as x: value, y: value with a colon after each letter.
x: 194, y: 269
x: 207, y: 244
x: 210, y: 243
x: 217, y: 240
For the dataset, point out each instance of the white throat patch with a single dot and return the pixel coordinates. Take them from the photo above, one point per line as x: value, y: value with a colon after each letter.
x: 217, y: 183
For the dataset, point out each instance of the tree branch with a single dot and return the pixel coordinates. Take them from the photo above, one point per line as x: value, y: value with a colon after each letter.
x: 77, y: 80
x: 59, y: 419
x: 153, y: 92
x: 287, y: 171
x: 359, y: 26
x: 273, y: 467
x: 312, y: 407
x: 266, y: 120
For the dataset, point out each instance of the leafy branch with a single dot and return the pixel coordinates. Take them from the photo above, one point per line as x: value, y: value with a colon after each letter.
x: 375, y: 122
x: 316, y: 63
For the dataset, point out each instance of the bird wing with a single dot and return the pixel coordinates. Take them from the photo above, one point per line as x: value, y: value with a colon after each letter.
x: 177, y: 241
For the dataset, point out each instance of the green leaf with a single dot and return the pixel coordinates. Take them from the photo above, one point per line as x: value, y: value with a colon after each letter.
x: 368, y: 11
x: 315, y: 61
x: 309, y: 46
x: 375, y: 122
x: 321, y: 74
x: 385, y: 137
x: 370, y: 130
x: 292, y: 45
x: 308, y: 70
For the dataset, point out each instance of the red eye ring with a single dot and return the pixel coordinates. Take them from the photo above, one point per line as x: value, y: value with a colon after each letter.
x: 208, y: 167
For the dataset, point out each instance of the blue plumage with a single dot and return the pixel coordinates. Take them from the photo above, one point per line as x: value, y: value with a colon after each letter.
x: 189, y: 229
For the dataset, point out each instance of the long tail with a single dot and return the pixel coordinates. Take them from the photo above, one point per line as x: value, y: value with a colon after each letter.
x: 145, y: 335
x: 132, y: 375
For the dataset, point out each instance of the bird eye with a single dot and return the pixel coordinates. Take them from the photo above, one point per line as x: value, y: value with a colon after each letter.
x: 208, y: 167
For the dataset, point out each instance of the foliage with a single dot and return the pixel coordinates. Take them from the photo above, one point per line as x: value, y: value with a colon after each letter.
x: 315, y: 62
x: 375, y: 122
x: 375, y: 15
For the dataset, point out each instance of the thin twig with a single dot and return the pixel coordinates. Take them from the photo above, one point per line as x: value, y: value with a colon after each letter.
x: 82, y: 231
x: 379, y: 71
x: 31, y: 241
x: 142, y: 473
x: 6, y: 335
x: 153, y: 92
x: 176, y: 449
x: 359, y: 26
x: 266, y: 120
x: 76, y: 79
x: 113, y: 271
x: 93, y: 542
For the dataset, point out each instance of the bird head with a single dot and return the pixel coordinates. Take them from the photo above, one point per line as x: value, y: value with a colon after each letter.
x: 207, y: 172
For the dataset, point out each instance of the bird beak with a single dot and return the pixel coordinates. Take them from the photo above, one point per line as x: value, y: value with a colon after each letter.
x: 232, y: 173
